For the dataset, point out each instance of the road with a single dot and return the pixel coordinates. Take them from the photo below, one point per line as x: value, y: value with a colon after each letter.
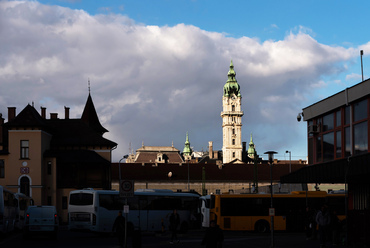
x: 192, y: 239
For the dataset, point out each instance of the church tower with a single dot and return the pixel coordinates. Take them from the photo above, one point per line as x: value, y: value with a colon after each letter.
x: 231, y: 119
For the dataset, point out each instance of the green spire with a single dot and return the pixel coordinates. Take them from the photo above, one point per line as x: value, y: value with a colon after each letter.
x: 231, y: 87
x: 251, y: 150
x: 187, y: 150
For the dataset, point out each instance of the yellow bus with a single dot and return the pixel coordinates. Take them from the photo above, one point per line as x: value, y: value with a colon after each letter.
x: 251, y: 212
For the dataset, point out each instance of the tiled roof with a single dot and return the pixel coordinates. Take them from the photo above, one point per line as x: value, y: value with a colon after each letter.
x: 28, y: 117
x: 74, y: 132
x: 77, y: 156
x: 86, y: 131
x: 150, y: 157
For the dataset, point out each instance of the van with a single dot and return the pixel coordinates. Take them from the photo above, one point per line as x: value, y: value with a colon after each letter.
x: 41, y: 220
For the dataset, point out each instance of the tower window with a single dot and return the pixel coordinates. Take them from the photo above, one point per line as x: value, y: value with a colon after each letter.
x: 24, y: 148
x: 232, y: 107
x: 233, y: 142
x: 233, y: 154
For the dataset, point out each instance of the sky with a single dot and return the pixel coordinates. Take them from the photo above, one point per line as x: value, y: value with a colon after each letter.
x: 156, y: 69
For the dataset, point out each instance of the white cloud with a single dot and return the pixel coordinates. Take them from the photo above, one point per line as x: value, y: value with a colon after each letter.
x: 153, y: 83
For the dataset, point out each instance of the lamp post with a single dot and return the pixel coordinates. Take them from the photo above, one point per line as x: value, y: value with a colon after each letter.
x: 119, y: 171
x: 272, y: 210
x: 290, y: 168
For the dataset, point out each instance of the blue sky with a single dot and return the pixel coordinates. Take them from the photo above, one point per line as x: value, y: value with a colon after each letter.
x: 157, y: 68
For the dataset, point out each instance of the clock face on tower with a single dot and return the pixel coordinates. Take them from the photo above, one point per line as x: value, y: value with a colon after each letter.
x: 233, y: 97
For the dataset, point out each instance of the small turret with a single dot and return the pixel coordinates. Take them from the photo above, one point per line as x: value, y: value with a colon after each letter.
x: 187, y: 150
x: 251, y: 149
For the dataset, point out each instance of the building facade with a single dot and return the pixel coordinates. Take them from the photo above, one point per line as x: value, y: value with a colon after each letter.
x: 231, y: 119
x: 47, y: 158
x: 338, y: 129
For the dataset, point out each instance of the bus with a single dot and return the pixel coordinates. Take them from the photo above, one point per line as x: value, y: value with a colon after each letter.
x: 149, y: 209
x: 204, y: 203
x: 8, y: 210
x: 251, y: 212
x: 23, y: 202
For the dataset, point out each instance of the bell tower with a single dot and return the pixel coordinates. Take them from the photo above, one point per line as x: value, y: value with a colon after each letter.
x: 231, y: 119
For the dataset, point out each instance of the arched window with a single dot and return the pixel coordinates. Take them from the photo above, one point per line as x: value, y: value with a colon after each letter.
x: 25, y: 186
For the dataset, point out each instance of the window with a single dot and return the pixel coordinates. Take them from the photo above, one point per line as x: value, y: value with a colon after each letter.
x: 24, y: 148
x: 347, y: 140
x: 233, y: 142
x: 2, y: 169
x: 360, y: 110
x: 232, y: 107
x: 339, y: 144
x: 338, y: 118
x: 233, y: 131
x: 233, y: 154
x: 318, y: 149
x: 49, y: 168
x: 360, y: 138
x: 347, y: 115
x: 328, y: 146
x: 328, y: 122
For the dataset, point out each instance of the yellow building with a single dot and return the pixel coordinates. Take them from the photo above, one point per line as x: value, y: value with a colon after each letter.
x: 47, y: 158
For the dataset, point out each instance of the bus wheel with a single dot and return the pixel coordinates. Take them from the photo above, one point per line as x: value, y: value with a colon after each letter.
x: 261, y: 226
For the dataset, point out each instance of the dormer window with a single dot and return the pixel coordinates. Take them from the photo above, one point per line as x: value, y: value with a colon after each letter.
x: 160, y: 158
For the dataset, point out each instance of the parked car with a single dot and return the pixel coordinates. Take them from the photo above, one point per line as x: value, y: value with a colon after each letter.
x: 41, y: 220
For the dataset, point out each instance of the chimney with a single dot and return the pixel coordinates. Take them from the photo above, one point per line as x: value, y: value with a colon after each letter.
x: 66, y: 112
x: 11, y: 113
x: 43, y: 112
x: 53, y: 116
x: 210, y: 148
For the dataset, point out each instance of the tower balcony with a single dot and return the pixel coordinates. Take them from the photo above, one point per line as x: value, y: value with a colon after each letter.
x: 232, y: 113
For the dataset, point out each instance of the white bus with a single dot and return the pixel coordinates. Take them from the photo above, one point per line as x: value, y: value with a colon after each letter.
x: 23, y: 202
x: 149, y: 210
x: 8, y: 210
x: 205, y: 202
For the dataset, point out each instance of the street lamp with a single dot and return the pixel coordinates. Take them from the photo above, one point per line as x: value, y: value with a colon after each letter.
x: 290, y: 167
x: 119, y: 166
x: 272, y: 210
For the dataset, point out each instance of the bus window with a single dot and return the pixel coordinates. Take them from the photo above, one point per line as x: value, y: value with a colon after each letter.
x: 81, y: 199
